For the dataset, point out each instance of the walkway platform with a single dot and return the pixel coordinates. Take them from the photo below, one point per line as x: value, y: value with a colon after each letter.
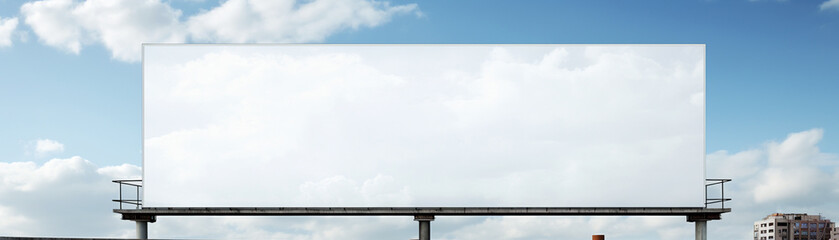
x: 424, y: 215
x: 145, y: 212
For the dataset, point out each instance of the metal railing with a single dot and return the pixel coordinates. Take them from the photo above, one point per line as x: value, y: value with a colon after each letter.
x: 137, y: 184
x: 722, y: 199
x: 138, y: 203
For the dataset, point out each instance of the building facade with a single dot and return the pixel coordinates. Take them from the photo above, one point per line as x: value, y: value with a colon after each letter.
x: 794, y: 226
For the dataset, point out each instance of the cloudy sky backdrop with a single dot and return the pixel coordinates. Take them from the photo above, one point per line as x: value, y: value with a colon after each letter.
x: 70, y: 98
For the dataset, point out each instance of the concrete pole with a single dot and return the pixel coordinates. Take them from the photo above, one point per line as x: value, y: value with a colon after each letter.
x: 701, y: 230
x: 424, y: 230
x: 424, y: 226
x: 142, y: 229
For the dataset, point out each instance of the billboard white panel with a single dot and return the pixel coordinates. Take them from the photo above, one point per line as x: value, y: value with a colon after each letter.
x: 423, y: 125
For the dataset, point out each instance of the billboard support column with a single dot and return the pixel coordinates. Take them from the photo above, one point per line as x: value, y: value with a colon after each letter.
x: 142, y: 222
x: 142, y: 229
x: 701, y: 230
x: 424, y: 226
x: 701, y: 223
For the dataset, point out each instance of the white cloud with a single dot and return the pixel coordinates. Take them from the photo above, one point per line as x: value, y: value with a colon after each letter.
x: 14, y: 223
x: 739, y: 165
x: 7, y: 27
x: 797, y: 149
x: 54, y: 23
x: 792, y: 175
x: 787, y: 185
x: 795, y: 168
x: 47, y: 146
x: 124, y: 171
x: 121, y: 26
x: 289, y: 21
x: 28, y: 176
x: 830, y: 5
x: 62, y: 197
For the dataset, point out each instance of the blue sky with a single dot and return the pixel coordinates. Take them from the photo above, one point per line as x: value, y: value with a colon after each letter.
x: 771, y: 67
x: 768, y: 71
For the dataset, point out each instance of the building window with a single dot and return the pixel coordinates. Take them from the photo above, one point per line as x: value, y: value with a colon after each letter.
x: 821, y: 225
x: 804, y: 225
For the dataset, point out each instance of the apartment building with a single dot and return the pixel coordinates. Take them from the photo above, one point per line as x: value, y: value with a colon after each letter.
x: 794, y: 226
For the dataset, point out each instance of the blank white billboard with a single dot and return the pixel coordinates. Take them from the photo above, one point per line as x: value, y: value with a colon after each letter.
x: 257, y: 125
